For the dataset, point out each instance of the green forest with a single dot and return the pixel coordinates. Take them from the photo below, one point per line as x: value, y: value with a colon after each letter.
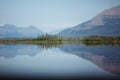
x: 60, y: 39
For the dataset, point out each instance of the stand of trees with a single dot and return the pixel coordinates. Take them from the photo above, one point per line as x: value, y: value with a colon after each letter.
x: 59, y: 39
x: 101, y: 40
x: 50, y: 38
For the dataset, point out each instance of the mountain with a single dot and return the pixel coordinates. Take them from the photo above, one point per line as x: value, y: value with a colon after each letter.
x: 57, y: 31
x: 12, y: 31
x: 107, y: 23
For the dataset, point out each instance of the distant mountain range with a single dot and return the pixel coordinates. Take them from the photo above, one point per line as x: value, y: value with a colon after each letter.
x: 57, y: 31
x: 107, y: 23
x: 12, y: 31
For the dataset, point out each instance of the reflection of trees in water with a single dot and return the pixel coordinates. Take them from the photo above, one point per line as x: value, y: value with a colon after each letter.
x: 100, y: 44
x: 105, y: 55
x: 47, y: 46
x: 13, y: 50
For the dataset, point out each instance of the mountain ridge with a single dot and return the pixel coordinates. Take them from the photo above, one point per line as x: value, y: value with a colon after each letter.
x: 12, y: 31
x: 102, y: 24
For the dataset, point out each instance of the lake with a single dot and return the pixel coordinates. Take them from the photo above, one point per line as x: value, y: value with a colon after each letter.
x: 64, y: 61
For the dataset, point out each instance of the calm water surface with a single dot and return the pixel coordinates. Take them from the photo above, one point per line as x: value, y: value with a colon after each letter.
x: 66, y: 61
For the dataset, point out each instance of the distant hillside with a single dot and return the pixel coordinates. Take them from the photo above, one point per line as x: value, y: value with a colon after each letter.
x: 107, y: 23
x: 12, y: 31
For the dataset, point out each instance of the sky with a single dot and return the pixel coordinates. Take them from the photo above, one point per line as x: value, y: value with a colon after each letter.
x: 51, y: 15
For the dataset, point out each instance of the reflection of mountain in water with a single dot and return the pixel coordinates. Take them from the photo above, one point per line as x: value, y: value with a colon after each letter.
x: 106, y: 57
x: 9, y: 51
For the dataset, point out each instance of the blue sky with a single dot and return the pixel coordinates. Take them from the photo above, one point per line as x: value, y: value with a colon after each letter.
x: 50, y: 15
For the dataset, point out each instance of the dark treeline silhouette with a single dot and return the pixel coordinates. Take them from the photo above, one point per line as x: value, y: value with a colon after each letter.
x: 55, y: 40
x: 50, y: 38
x: 101, y: 40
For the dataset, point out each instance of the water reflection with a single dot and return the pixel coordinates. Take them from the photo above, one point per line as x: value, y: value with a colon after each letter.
x: 10, y: 51
x: 106, y: 57
x: 60, y: 60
